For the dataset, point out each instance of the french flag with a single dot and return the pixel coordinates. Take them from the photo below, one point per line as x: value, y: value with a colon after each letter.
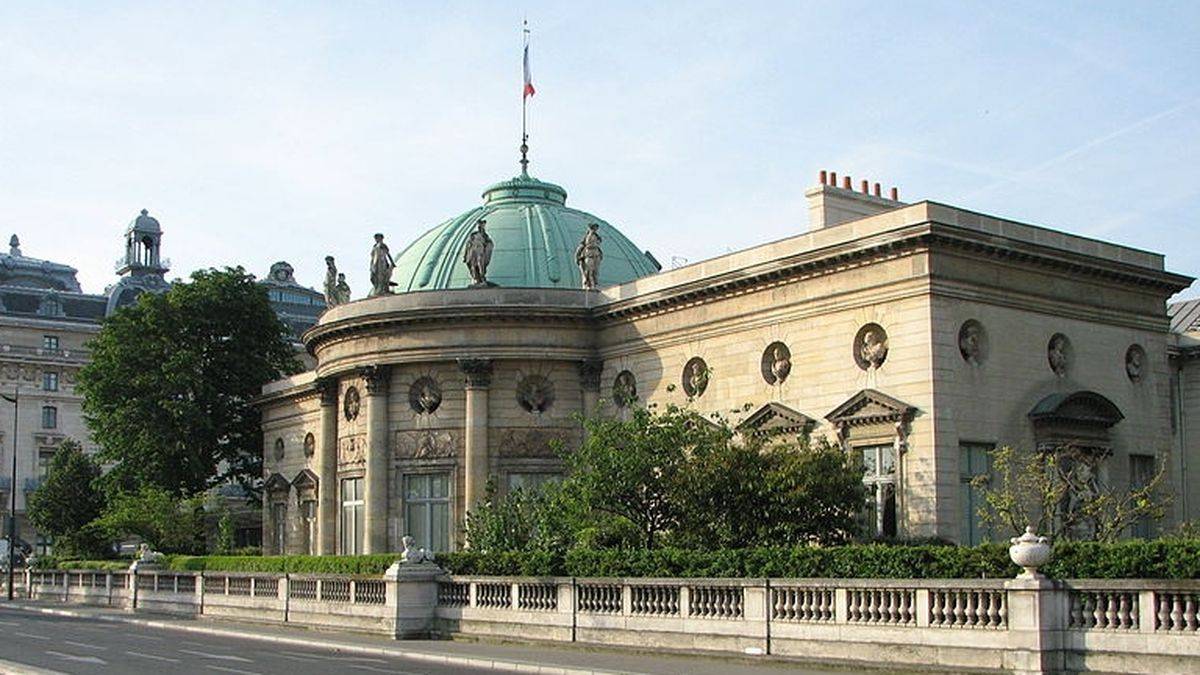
x: 529, y: 90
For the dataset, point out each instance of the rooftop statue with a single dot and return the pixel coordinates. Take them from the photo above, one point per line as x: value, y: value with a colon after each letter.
x: 336, y: 290
x: 588, y: 256
x: 343, y: 289
x: 477, y: 254
x: 381, y: 268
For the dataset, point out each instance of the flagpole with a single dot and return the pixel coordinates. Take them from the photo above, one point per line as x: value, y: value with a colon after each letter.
x: 524, y: 100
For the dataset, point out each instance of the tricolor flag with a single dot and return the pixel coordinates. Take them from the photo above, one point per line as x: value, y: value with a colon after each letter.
x: 529, y: 90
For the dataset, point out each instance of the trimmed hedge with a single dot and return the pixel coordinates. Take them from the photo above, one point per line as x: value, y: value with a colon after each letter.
x: 1157, y: 559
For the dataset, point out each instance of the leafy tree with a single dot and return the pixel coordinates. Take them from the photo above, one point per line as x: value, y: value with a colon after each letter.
x: 67, y: 502
x: 167, y: 393
x: 767, y: 490
x: 542, y: 519
x: 635, y: 468
x: 165, y: 522
x: 1060, y: 492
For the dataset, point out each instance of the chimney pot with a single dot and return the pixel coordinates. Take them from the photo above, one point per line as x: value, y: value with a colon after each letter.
x: 865, y: 189
x: 833, y: 178
x: 877, y: 192
x: 824, y: 176
x: 895, y: 195
x: 846, y: 183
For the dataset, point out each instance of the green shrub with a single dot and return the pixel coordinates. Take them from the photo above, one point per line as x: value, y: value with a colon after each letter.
x: 279, y: 564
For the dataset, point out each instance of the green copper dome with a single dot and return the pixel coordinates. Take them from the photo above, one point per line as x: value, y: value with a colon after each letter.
x: 534, y: 235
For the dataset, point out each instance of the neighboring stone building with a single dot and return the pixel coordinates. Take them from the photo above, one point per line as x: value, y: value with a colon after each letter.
x: 917, y: 335
x: 45, y: 322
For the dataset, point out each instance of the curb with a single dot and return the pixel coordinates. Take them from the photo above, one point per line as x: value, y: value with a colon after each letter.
x: 363, y: 650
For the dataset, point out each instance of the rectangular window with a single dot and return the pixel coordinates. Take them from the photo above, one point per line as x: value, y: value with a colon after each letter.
x: 530, y: 481
x: 974, y: 459
x: 49, y: 417
x: 50, y: 342
x: 427, y: 510
x: 308, y: 514
x: 49, y: 381
x: 45, y: 458
x: 1141, y: 472
x: 879, y: 477
x: 43, y: 546
x: 353, y: 515
x: 279, y: 527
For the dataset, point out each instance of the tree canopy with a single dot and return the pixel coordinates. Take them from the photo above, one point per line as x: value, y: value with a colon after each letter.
x: 65, y: 505
x: 167, y: 393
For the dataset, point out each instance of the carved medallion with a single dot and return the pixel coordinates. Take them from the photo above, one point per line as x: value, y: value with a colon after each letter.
x: 310, y: 445
x: 532, y: 442
x: 535, y: 394
x: 870, y: 346
x: 695, y: 377
x: 351, y: 403
x: 279, y: 451
x: 1058, y: 354
x: 424, y: 396
x: 972, y: 342
x: 1135, y: 362
x: 436, y: 444
x: 776, y: 363
x: 624, y: 390
x: 352, y: 450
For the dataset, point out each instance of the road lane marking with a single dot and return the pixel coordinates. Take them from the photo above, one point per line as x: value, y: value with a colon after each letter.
x: 9, y: 623
x: 219, y: 657
x: 83, y: 644
x: 152, y: 656
x: 307, y: 659
x: 81, y: 659
x: 144, y: 637
x: 22, y: 669
x: 233, y: 670
x: 35, y: 637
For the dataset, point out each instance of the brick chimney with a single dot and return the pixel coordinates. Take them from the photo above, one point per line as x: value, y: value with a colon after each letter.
x: 829, y: 204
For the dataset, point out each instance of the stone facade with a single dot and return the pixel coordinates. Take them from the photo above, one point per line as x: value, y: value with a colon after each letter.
x: 919, y: 335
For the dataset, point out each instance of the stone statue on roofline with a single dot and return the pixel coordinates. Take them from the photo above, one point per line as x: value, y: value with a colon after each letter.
x: 343, y: 289
x: 477, y: 254
x: 382, y: 266
x: 588, y: 256
x: 331, y: 276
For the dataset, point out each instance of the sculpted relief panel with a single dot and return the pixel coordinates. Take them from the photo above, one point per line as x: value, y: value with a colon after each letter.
x: 429, y: 444
x: 352, y: 450
x: 540, y: 443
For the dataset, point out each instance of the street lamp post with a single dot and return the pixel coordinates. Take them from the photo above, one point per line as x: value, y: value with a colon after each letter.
x: 12, y: 492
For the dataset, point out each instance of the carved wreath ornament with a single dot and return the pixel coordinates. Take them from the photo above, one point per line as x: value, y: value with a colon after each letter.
x: 535, y: 393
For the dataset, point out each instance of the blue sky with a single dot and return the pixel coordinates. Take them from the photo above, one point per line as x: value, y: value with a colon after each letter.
x: 258, y: 132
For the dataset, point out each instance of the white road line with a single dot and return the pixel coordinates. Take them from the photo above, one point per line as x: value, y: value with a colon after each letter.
x: 233, y: 670
x: 82, y: 659
x: 219, y: 657
x: 144, y: 637
x: 152, y: 656
x: 35, y: 637
x: 83, y: 644
x: 9, y: 623
x: 314, y: 656
x: 21, y: 669
x: 307, y: 659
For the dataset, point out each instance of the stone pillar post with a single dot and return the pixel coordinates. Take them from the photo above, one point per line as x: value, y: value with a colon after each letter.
x: 479, y: 378
x: 589, y: 382
x: 327, y: 468
x: 378, y: 460
x: 1037, y: 620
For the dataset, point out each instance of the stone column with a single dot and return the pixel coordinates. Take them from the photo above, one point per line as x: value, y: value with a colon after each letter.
x: 327, y: 468
x: 479, y: 377
x: 589, y: 382
x: 375, y: 482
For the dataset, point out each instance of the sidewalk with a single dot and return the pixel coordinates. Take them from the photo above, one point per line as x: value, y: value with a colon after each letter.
x: 536, y: 658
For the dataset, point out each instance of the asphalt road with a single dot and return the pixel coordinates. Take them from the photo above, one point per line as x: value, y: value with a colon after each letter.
x: 31, y: 643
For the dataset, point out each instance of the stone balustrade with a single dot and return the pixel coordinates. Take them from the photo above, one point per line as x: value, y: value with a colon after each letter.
x: 1024, y: 625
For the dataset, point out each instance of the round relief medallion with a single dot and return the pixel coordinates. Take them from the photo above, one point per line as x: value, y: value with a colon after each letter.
x: 278, y: 449
x: 351, y: 404
x: 972, y: 342
x: 776, y: 363
x: 424, y: 396
x: 1135, y: 362
x: 1058, y: 354
x: 695, y: 377
x: 624, y: 390
x: 870, y: 346
x: 310, y: 445
x: 535, y: 393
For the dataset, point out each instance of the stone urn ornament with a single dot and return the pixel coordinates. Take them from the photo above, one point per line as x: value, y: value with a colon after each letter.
x: 1029, y: 552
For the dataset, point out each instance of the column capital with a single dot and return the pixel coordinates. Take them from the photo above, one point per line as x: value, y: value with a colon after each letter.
x: 327, y: 387
x: 589, y: 373
x: 376, y: 378
x: 478, y: 371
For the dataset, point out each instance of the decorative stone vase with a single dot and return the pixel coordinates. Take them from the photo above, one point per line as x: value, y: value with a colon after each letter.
x: 1029, y: 551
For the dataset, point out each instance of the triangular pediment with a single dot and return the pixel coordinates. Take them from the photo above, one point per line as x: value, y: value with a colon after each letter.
x: 305, y: 480
x: 277, y: 483
x: 776, y: 418
x: 871, y: 407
